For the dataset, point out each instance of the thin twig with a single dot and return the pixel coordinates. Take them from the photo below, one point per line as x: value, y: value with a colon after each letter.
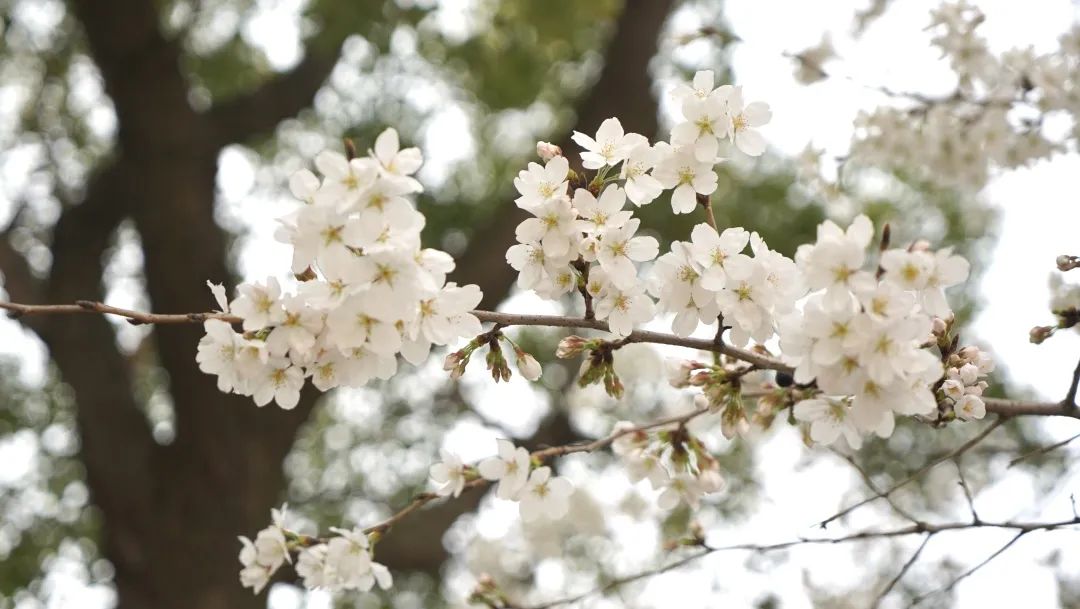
x: 918, y: 473
x: 1042, y: 450
x: 874, y: 488
x: 972, y: 570
x: 903, y: 570
x: 1022, y: 528
x: 967, y: 490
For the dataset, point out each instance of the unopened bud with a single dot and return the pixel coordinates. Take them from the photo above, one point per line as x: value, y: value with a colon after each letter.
x: 547, y: 151
x: 528, y: 366
x: 969, y: 353
x: 678, y: 371
x: 485, y: 581
x: 1040, y: 333
x: 496, y: 363
x: 940, y: 327
x: 452, y: 360
x: 1067, y: 263
x: 920, y: 245
x: 571, y: 346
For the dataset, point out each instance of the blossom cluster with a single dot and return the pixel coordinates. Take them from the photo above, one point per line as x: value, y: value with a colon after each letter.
x: 867, y: 334
x: 868, y: 337
x: 710, y: 277
x: 343, y: 562
x: 538, y: 493
x: 367, y: 292
x: 581, y: 235
x: 674, y: 462
x: 965, y: 382
x: 998, y: 109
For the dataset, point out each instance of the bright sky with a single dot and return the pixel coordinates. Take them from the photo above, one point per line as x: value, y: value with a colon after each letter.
x: 1039, y: 219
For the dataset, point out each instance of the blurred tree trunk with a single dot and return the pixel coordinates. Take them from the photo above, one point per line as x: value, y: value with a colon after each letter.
x: 171, y: 513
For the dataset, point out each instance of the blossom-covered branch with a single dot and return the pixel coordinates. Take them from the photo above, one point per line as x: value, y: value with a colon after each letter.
x: 1000, y: 406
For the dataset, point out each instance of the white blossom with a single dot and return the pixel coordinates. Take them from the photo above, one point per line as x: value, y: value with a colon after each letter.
x: 448, y: 475
x: 544, y: 496
x: 610, y: 146
x: 510, y: 468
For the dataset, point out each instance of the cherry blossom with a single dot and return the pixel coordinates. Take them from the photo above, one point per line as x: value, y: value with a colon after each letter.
x: 544, y: 496
x: 510, y: 468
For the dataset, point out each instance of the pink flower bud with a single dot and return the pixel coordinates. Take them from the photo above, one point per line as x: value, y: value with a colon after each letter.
x: 571, y: 346
x: 1040, y: 333
x: 547, y: 151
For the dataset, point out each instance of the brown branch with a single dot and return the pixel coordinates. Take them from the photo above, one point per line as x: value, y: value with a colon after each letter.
x: 1070, y: 397
x: 135, y: 318
x: 1002, y: 407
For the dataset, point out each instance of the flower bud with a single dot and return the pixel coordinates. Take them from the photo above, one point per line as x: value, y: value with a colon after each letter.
x: 969, y: 353
x: 571, y: 346
x: 1040, y: 333
x: 940, y: 327
x: 547, y: 151
x: 920, y: 245
x: 678, y: 371
x: 953, y: 389
x: 452, y: 360
x: 1067, y: 263
x: 528, y: 366
x: 711, y: 480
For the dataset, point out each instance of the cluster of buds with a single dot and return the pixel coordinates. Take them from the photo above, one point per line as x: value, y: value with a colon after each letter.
x: 964, y: 385
x: 527, y: 365
x: 599, y: 366
x: 672, y: 460
x: 721, y: 388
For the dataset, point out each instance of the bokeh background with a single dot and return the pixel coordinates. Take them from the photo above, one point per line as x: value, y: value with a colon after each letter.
x: 144, y: 148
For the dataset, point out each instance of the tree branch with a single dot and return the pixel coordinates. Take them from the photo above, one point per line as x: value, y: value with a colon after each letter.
x: 1022, y: 528
x: 918, y: 473
x: 281, y: 97
x: 1070, y: 397
x: 1004, y: 408
x: 903, y: 570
